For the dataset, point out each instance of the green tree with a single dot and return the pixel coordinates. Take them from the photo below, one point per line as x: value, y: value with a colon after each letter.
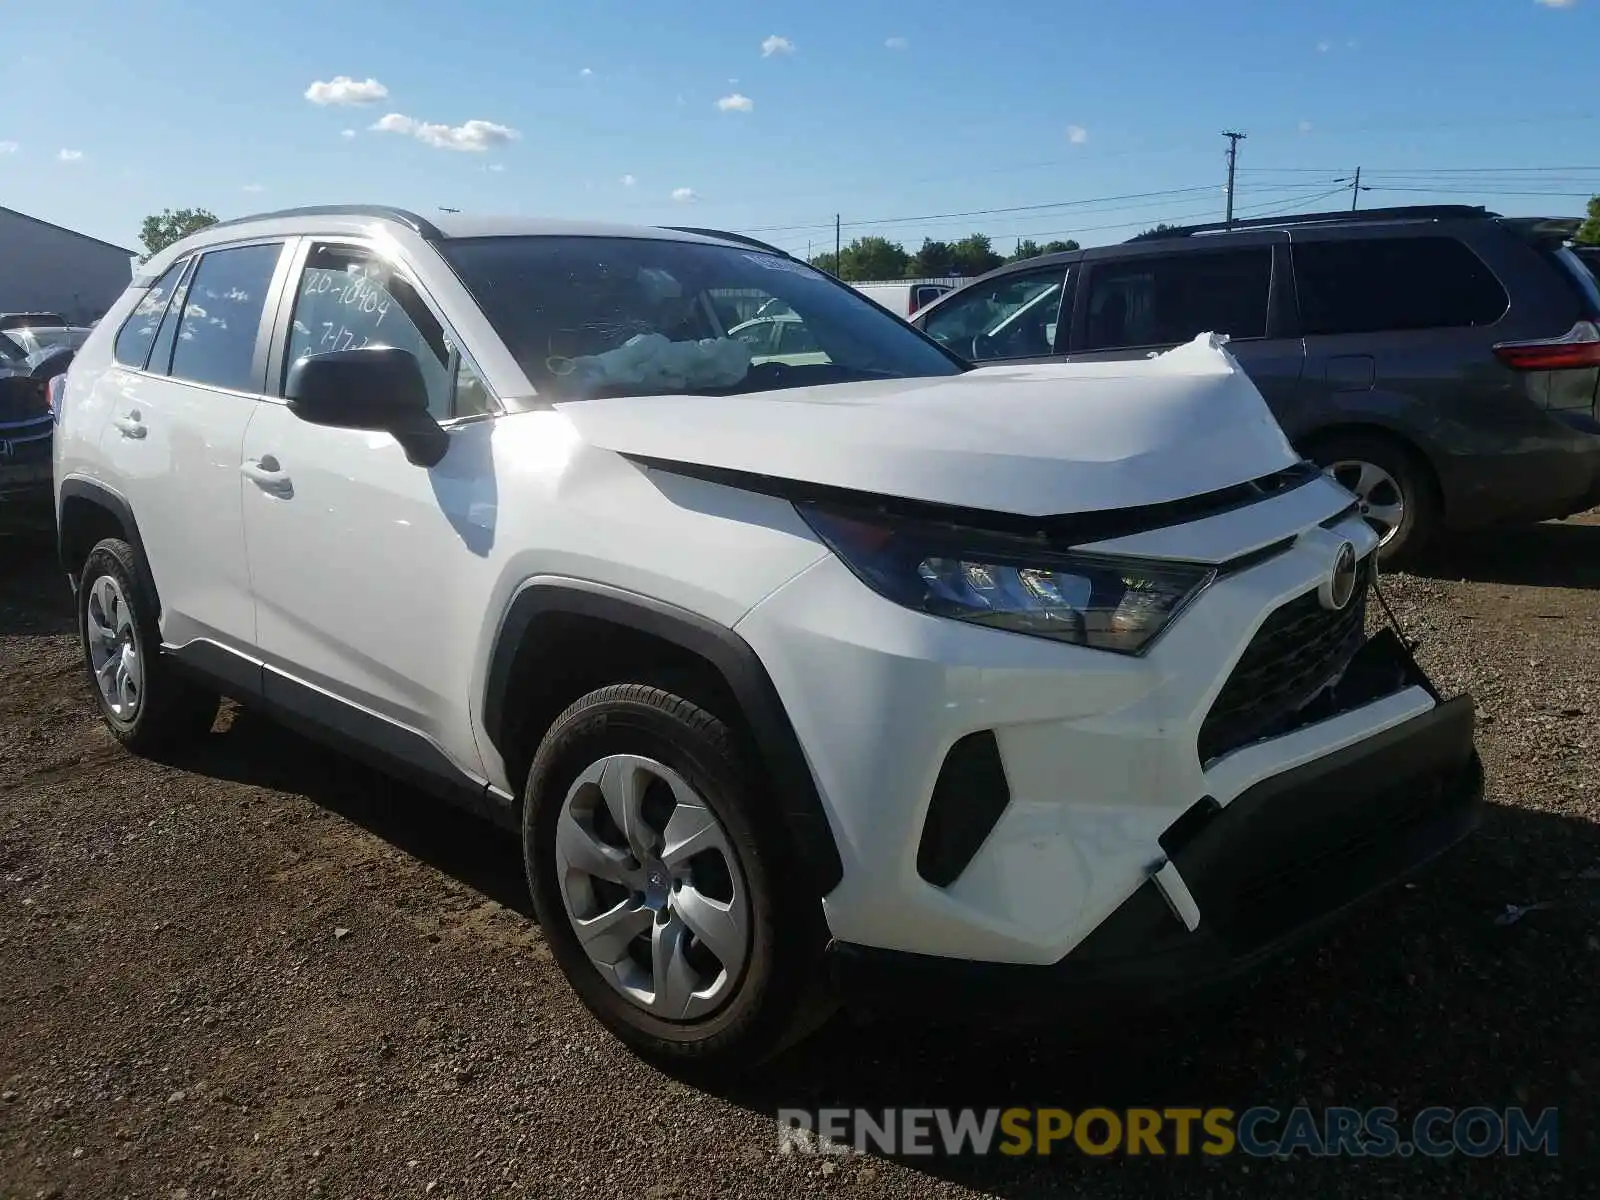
x: 932, y: 261
x: 1028, y: 248
x: 1154, y: 231
x: 974, y: 254
x: 873, y: 258
x: 161, y: 229
x: 1589, y: 232
x: 825, y: 262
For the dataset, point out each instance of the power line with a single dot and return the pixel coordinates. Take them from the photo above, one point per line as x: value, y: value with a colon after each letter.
x: 1420, y: 170
x: 986, y: 212
x: 1284, y: 202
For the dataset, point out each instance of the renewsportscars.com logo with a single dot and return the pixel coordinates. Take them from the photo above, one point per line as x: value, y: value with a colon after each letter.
x: 1259, y: 1132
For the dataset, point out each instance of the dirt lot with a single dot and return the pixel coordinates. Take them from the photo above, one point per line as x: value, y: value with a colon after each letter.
x: 180, y: 1015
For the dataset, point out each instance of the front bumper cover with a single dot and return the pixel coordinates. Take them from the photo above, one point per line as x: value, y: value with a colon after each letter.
x: 1287, y: 858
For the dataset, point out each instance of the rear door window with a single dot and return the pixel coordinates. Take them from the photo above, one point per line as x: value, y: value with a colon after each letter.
x: 1160, y: 301
x: 1391, y: 284
x: 216, y: 337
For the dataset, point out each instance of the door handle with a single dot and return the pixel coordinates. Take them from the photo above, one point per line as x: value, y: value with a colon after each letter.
x: 268, y: 476
x: 131, y: 426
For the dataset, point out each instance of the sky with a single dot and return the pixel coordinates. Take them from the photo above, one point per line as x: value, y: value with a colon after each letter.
x: 1016, y: 118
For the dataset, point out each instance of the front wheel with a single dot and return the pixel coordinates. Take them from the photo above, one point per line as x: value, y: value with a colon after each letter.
x: 663, y: 884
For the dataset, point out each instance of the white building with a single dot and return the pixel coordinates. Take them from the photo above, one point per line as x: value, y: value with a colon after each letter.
x: 45, y: 268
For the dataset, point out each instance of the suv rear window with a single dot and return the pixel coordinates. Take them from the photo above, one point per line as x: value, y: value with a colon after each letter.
x: 1394, y: 284
x: 1157, y: 301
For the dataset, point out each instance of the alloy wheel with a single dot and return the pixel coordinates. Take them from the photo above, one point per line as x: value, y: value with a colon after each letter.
x: 653, y: 888
x: 1383, y: 504
x: 113, y: 648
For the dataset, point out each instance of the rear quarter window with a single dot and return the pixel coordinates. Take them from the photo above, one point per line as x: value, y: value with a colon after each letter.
x: 138, y: 332
x: 1392, y: 284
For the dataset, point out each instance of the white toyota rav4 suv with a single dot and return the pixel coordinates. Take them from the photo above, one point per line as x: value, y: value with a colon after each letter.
x: 858, y: 674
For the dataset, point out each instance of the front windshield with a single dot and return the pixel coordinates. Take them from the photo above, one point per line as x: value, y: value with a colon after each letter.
x: 608, y: 316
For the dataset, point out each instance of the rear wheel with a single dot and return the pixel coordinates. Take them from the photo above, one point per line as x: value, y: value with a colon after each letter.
x: 663, y: 882
x: 145, y: 703
x: 1395, y: 493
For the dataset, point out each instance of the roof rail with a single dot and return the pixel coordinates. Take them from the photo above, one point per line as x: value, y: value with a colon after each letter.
x: 1410, y: 212
x: 743, y: 238
x: 418, y: 225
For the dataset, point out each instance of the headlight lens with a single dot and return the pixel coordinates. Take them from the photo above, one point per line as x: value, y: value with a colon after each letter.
x: 1012, y: 583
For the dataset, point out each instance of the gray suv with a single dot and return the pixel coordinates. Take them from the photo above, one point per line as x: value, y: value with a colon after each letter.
x: 1441, y: 362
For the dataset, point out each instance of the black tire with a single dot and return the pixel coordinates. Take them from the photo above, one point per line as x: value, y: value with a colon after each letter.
x: 779, y: 997
x: 171, y: 708
x: 1419, y: 524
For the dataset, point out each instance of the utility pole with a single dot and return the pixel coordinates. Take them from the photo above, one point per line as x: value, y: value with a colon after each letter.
x: 1234, y: 138
x: 836, y: 246
x: 1355, y: 190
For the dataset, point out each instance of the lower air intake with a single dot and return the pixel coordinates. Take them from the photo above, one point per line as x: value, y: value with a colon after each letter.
x: 968, y: 798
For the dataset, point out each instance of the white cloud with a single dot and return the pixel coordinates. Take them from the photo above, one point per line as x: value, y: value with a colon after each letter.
x: 736, y: 103
x: 897, y: 43
x: 347, y: 133
x: 776, y: 44
x: 1305, y: 126
x: 474, y: 136
x: 1324, y: 47
x: 70, y: 156
x: 1077, y: 134
x: 629, y: 181
x: 252, y: 187
x: 685, y: 195
x: 9, y: 147
x: 1557, y: 3
x: 586, y: 73
x: 341, y: 89
x: 497, y: 166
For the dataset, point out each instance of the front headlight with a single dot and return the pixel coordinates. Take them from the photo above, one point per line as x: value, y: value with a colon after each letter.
x: 1012, y: 583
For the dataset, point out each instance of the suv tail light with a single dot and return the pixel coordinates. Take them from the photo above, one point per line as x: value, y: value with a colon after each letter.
x: 54, y: 392
x: 1575, y: 350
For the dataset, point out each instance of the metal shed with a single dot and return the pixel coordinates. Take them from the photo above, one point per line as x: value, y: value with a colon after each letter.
x: 45, y: 268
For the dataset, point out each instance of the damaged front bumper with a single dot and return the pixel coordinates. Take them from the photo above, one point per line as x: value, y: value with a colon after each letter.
x: 1282, y: 861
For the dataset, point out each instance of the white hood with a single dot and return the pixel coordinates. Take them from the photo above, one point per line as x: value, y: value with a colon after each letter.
x: 1030, y: 440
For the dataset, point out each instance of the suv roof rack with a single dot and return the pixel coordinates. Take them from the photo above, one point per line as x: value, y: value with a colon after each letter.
x: 743, y: 238
x: 1410, y: 212
x: 419, y: 225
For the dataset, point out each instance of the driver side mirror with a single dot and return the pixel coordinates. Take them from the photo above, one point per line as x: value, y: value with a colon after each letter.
x: 377, y: 388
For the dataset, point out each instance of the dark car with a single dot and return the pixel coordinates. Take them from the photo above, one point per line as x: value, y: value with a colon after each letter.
x: 30, y: 359
x: 1441, y: 362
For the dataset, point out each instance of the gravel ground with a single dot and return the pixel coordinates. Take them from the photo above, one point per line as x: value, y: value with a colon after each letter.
x: 263, y: 971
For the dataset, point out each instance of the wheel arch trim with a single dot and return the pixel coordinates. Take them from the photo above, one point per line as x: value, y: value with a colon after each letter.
x: 101, y: 496
x: 728, y: 654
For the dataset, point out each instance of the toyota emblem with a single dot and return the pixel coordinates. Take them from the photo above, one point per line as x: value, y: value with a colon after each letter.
x: 1340, y: 585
